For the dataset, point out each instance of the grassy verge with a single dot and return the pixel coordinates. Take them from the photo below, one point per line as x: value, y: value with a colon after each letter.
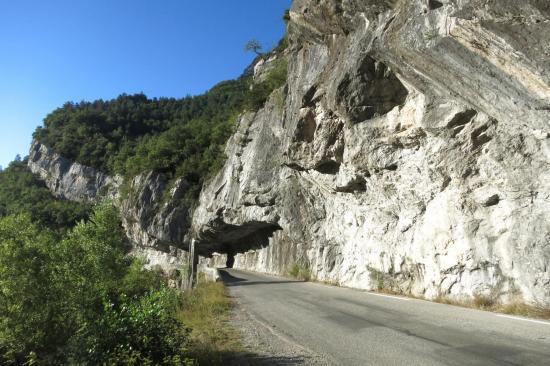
x: 488, y: 304
x: 206, y: 311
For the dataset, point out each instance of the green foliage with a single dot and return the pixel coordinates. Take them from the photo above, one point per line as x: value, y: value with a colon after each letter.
x: 22, y: 192
x: 286, y: 16
x: 300, y: 271
x: 27, y: 313
x: 137, y: 278
x: 261, y: 90
x: 137, y: 332
x: 81, y: 300
x: 253, y: 46
x: 182, y: 138
x: 104, y: 134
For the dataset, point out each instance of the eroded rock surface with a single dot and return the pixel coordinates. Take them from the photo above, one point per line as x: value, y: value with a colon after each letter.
x: 412, y: 152
x: 69, y: 180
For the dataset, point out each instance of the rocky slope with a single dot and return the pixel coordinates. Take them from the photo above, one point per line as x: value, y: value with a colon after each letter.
x: 410, y: 151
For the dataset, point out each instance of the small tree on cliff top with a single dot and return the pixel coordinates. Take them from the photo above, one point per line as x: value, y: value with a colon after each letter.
x: 253, y: 46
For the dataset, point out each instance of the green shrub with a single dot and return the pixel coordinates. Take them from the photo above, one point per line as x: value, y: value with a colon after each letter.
x: 300, y: 271
x: 286, y: 16
x: 81, y: 300
x: 136, y: 331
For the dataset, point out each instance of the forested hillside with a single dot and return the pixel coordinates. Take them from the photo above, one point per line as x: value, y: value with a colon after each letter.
x: 133, y: 134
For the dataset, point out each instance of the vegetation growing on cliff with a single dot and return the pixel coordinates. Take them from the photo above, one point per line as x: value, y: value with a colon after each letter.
x: 104, y: 134
x: 22, y: 192
x: 262, y: 89
x: 133, y: 134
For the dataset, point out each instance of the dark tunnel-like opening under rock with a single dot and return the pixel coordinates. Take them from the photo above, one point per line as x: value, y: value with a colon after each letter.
x: 232, y: 239
x: 230, y: 260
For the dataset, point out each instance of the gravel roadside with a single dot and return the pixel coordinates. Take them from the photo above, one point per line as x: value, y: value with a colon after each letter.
x: 266, y: 346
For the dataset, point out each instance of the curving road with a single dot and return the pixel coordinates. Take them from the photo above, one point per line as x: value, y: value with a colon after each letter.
x: 338, y: 326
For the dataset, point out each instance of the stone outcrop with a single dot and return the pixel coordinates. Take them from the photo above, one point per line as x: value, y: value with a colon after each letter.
x: 69, y: 180
x: 154, y: 221
x: 412, y: 152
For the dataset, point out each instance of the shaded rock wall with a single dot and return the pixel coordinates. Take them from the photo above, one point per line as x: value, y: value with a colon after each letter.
x: 412, y: 152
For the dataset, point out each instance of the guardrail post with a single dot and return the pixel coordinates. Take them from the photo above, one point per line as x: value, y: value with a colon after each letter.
x: 192, y: 266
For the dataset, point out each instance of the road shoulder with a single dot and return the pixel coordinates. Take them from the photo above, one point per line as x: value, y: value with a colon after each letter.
x: 266, y: 346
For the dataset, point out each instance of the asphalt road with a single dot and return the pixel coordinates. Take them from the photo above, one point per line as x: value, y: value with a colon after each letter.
x: 351, y: 327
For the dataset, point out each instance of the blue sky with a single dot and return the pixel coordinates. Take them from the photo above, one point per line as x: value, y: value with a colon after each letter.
x: 71, y: 50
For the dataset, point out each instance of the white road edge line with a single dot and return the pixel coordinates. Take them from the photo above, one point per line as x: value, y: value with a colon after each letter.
x: 391, y: 297
x: 526, y: 320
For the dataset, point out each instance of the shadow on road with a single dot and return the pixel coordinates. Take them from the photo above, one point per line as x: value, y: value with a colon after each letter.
x: 245, y: 358
x: 231, y: 280
x: 260, y: 360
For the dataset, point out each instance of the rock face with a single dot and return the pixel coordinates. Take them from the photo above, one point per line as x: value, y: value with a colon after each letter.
x: 69, y: 180
x: 409, y: 150
x: 412, y: 152
x: 157, y: 230
x: 155, y: 221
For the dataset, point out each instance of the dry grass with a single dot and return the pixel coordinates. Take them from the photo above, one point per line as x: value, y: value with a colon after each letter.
x: 207, y: 310
x: 489, y: 304
x: 389, y: 291
x: 483, y: 302
x: 520, y: 308
x: 300, y: 272
x: 329, y: 283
